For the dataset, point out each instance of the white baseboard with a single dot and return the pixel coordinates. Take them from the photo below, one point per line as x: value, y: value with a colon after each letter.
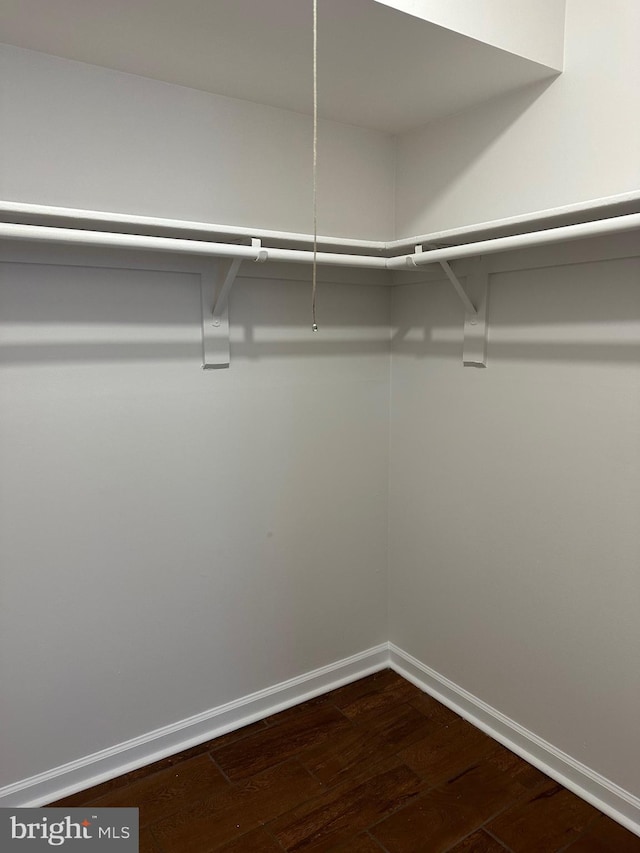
x: 93, y: 769
x: 605, y: 795
x: 152, y: 746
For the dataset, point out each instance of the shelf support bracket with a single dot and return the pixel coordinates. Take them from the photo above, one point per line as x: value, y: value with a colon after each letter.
x: 474, y: 349
x: 221, y: 305
x: 469, y: 307
x: 216, y: 282
x: 215, y: 285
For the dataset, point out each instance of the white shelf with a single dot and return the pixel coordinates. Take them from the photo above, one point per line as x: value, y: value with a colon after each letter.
x: 117, y: 228
x: 125, y: 223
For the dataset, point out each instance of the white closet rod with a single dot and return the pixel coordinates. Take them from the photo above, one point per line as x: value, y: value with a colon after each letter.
x: 597, y: 208
x: 562, y: 234
x: 46, y: 234
x: 600, y: 208
x: 80, y: 216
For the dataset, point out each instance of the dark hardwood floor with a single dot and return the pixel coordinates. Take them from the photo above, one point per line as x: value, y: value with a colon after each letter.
x: 373, y: 766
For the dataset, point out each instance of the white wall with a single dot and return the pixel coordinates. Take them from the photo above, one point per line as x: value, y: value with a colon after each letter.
x: 77, y: 135
x: 514, y: 491
x: 570, y: 140
x: 515, y: 498
x: 530, y: 28
x: 173, y: 539
x: 158, y: 522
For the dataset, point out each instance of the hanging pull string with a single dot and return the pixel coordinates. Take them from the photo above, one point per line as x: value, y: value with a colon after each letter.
x: 314, y: 276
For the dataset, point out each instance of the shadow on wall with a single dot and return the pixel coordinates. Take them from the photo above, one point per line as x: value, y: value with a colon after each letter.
x: 64, y: 314
x: 575, y: 313
x: 490, y: 121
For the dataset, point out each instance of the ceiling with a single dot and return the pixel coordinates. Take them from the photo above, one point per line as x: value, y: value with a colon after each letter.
x: 377, y: 67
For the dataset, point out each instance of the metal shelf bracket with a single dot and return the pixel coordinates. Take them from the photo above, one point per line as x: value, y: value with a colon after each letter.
x: 221, y: 305
x: 474, y: 347
x: 474, y: 350
x: 469, y: 307
x: 216, y: 282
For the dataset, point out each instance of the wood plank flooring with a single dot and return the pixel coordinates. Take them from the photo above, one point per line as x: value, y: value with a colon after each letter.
x: 373, y: 766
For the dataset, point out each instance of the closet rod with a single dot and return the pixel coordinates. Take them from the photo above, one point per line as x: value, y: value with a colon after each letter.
x: 562, y: 234
x: 71, y: 236
x: 78, y: 216
x: 596, y: 209
x: 602, y: 208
